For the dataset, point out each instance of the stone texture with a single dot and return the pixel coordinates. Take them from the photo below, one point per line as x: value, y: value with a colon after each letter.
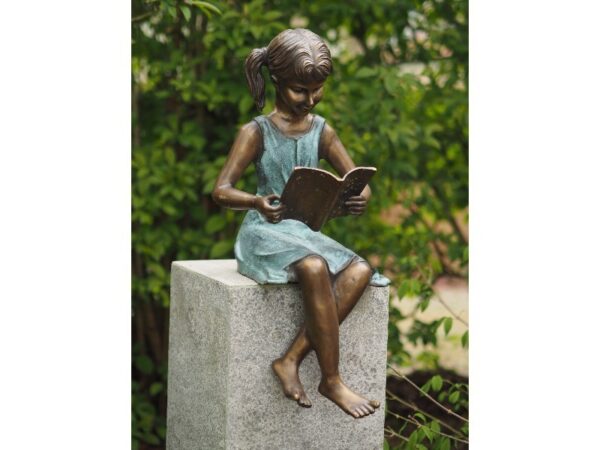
x: 225, y: 330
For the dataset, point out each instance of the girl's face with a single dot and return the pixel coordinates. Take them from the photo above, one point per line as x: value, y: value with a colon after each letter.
x: 300, y: 97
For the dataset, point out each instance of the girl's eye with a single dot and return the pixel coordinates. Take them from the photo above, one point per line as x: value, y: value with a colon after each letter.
x: 298, y: 90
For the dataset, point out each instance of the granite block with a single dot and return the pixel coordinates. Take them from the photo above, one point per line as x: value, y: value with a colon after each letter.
x: 225, y: 330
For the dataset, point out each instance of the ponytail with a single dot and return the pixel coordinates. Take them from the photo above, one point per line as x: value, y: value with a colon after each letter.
x: 256, y: 82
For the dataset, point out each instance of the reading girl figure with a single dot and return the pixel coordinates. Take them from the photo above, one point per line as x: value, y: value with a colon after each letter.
x: 270, y: 250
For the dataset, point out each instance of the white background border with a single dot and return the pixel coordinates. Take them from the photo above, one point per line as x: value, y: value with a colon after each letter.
x: 65, y: 224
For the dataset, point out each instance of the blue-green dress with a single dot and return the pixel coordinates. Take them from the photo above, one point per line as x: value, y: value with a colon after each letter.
x: 266, y: 251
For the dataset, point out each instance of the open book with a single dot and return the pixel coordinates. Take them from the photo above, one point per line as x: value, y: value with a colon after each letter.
x: 314, y: 196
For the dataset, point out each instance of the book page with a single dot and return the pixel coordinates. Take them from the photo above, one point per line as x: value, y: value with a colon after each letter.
x: 353, y: 184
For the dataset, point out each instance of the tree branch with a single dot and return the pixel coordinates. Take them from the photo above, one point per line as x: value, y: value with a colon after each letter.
x: 393, y: 433
x: 448, y: 410
x: 444, y: 304
x: 420, y: 425
x: 414, y: 407
x: 456, y: 316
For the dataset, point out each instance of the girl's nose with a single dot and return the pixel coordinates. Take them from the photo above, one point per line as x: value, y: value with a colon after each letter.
x: 311, y: 100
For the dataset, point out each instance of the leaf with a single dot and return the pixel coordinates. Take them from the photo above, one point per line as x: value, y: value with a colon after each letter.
x: 215, y: 223
x: 447, y: 325
x: 245, y: 104
x: 185, y: 10
x: 445, y: 445
x: 220, y: 249
x: 206, y: 7
x: 386, y: 446
x: 155, y: 388
x: 412, y: 440
x: 151, y: 439
x: 453, y: 398
x: 144, y: 364
x: 421, y: 416
x: 390, y: 82
x: 365, y: 72
x: 427, y: 432
x: 170, y: 156
x: 465, y: 339
x: 270, y: 16
x: 436, y: 383
x: 169, y: 209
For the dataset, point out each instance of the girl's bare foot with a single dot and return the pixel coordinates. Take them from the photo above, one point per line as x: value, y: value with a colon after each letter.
x: 349, y: 401
x: 287, y: 372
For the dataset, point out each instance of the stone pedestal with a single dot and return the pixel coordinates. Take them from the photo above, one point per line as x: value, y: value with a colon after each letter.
x: 225, y: 330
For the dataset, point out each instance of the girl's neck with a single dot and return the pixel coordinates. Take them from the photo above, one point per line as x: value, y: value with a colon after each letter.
x: 287, y: 116
x: 294, y: 126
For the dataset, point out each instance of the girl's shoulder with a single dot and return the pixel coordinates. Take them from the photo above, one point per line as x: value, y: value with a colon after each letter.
x: 328, y: 133
x: 251, y: 129
x: 327, y: 140
x: 250, y: 138
x: 259, y: 124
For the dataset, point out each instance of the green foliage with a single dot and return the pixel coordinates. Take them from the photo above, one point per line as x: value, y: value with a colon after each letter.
x: 397, y: 98
x: 445, y: 426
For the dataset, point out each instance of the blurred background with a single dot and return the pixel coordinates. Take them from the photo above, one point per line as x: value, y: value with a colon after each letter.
x: 398, y: 99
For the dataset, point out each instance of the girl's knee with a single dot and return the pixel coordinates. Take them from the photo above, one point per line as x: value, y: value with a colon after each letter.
x: 362, y: 269
x: 312, y: 265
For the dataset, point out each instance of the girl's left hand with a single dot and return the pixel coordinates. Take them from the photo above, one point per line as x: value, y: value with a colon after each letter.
x: 355, y: 205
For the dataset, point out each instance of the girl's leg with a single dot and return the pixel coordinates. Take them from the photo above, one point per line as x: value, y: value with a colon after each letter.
x: 348, y: 287
x: 347, y: 290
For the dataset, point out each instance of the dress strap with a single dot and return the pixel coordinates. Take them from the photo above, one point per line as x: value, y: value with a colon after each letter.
x: 261, y: 121
x: 319, y: 123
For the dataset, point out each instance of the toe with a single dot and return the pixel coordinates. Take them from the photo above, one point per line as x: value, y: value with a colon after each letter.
x: 304, y: 401
x: 374, y: 403
x: 370, y: 408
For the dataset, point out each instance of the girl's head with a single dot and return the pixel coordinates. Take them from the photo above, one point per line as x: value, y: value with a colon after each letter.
x: 293, y: 56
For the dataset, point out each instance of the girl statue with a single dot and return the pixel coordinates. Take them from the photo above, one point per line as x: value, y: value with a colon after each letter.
x: 270, y: 250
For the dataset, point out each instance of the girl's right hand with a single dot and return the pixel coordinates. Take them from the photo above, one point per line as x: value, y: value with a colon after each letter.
x: 271, y: 212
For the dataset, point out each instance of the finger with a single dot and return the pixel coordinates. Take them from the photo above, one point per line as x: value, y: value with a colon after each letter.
x: 357, y: 212
x: 356, y: 198
x: 274, y: 211
x: 272, y: 197
x: 356, y: 203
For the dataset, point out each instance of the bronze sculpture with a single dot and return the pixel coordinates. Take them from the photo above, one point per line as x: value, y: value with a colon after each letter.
x: 272, y: 250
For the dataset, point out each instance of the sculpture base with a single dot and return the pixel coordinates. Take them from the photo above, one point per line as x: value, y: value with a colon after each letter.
x: 225, y: 330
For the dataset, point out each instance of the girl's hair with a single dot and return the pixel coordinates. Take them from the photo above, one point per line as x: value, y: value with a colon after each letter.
x: 297, y: 54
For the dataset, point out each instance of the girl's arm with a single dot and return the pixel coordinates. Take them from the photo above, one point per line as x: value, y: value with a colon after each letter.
x: 246, y: 147
x: 332, y: 150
